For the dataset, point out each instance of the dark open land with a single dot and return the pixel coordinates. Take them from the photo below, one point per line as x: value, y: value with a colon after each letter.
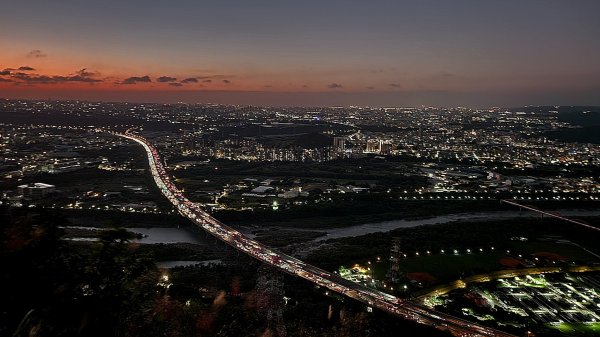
x: 586, y: 134
x: 209, y: 300
x: 542, y: 236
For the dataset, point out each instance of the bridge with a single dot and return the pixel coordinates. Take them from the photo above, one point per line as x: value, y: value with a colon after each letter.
x: 550, y: 214
x: 372, y: 297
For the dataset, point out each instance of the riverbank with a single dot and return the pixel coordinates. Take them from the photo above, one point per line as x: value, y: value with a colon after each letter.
x: 327, y: 233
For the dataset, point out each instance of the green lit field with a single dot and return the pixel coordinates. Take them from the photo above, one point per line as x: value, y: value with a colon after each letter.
x: 578, y: 329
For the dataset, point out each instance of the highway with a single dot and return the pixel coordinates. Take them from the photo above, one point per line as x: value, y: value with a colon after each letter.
x: 293, y: 266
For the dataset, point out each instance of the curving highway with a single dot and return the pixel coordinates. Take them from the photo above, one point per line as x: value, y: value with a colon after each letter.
x: 291, y: 265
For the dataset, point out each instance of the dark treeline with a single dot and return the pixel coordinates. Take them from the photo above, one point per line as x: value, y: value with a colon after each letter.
x: 53, y: 287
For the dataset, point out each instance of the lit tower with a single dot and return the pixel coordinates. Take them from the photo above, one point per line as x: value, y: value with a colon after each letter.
x: 395, y: 254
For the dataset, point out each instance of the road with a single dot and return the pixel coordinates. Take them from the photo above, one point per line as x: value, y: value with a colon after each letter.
x: 291, y: 265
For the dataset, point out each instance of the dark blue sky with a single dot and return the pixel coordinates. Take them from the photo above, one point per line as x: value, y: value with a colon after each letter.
x: 350, y: 52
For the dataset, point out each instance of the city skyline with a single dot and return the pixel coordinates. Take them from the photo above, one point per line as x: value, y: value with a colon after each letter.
x: 270, y: 53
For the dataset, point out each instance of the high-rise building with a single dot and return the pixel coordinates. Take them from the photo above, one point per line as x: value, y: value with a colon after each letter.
x: 373, y: 146
x: 386, y: 147
x: 339, y: 144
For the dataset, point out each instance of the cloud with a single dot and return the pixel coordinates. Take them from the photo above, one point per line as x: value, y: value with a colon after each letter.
x: 45, y: 79
x: 190, y: 80
x: 370, y: 88
x: 215, y: 77
x: 24, y: 76
x: 197, y: 79
x: 395, y: 85
x: 33, y: 79
x: 5, y: 80
x: 136, y: 79
x: 36, y: 53
x: 166, y: 79
x: 335, y: 86
x: 175, y: 84
x: 78, y: 78
x: 85, y: 73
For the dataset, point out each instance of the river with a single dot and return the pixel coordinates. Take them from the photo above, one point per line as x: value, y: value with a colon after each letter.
x: 151, y: 235
x: 386, y: 226
x: 156, y: 235
x: 165, y: 235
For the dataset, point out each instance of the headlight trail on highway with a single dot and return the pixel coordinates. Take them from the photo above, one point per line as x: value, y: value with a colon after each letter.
x: 293, y: 266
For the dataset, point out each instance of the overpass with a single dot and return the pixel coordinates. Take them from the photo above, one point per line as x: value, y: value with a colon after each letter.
x: 293, y: 266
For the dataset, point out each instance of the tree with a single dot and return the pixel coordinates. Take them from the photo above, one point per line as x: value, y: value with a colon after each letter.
x: 55, y: 288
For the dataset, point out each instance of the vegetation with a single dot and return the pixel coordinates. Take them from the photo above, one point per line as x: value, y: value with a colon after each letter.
x: 48, y: 289
x: 541, y: 237
x: 51, y: 287
x: 352, y: 210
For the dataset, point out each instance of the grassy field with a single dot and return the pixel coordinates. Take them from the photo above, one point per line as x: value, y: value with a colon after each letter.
x: 570, y: 251
x: 449, y: 266
x: 578, y: 329
x: 445, y: 267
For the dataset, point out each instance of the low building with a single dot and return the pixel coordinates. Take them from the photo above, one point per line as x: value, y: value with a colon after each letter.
x: 261, y: 189
x: 36, y: 190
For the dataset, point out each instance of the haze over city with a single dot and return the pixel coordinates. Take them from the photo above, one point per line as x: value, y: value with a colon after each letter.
x: 309, y: 53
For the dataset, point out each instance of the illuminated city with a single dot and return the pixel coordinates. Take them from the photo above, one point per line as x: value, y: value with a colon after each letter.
x: 294, y: 170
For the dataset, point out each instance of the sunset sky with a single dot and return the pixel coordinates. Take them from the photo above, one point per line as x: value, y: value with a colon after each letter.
x: 471, y: 53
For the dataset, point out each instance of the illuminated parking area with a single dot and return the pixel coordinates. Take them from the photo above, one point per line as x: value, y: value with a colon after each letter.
x: 568, y: 298
x: 569, y: 302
